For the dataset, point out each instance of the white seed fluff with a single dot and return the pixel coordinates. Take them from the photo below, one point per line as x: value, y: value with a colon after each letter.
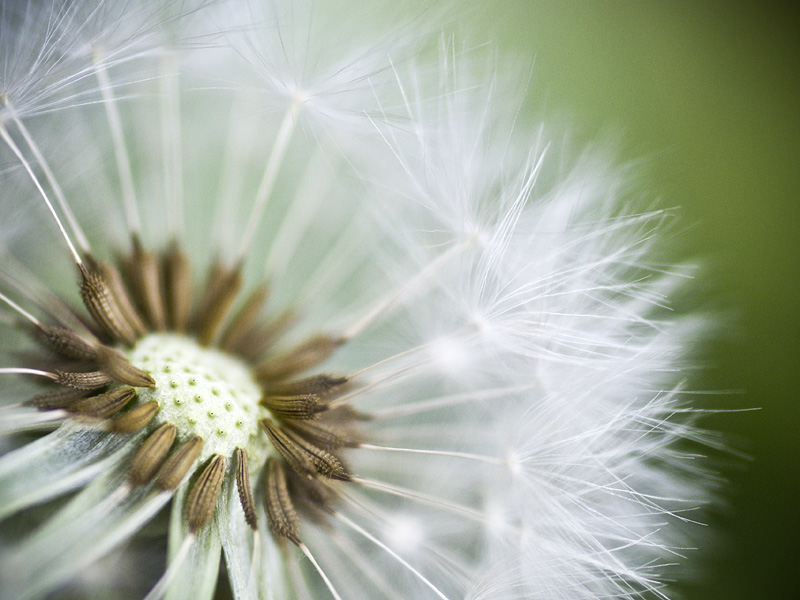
x: 477, y: 325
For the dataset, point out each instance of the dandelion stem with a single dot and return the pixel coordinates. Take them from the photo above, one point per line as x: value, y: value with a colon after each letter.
x: 20, y: 310
x: 112, y: 501
x: 238, y: 147
x: 160, y: 588
x: 423, y: 498
x: 299, y: 585
x: 255, y: 561
x: 333, y: 267
x: 270, y: 175
x: 384, y: 361
x: 398, y: 372
x: 466, y: 455
x: 120, y: 149
x: 18, y: 153
x: 408, y: 289
x: 304, y: 549
x: 349, y: 549
x: 21, y: 279
x: 316, y: 182
x: 25, y: 421
x: 26, y: 371
x: 54, y: 185
x: 447, y: 401
x: 392, y: 377
x: 171, y: 142
x: 391, y: 552
x: 386, y: 379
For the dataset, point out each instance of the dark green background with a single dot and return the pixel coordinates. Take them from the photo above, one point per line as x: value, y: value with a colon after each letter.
x: 705, y: 97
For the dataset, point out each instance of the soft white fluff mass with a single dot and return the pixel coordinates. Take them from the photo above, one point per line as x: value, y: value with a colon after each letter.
x: 515, y: 369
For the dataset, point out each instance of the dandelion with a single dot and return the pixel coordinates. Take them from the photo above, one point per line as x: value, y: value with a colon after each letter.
x: 326, y: 314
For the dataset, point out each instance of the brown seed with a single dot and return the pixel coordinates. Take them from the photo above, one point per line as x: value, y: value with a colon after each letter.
x: 345, y: 421
x: 304, y: 356
x: 105, y: 405
x: 224, y: 286
x: 243, y: 487
x: 67, y: 343
x: 120, y: 370
x: 280, y: 510
x: 178, y: 283
x: 244, y: 319
x: 57, y: 398
x: 115, y: 282
x: 103, y: 303
x: 263, y: 336
x: 135, y: 419
x: 202, y: 499
x: 312, y: 497
x: 91, y: 380
x: 177, y: 465
x: 318, y: 385
x: 151, y: 454
x: 293, y: 407
x: 294, y: 455
x: 303, y: 456
x: 144, y: 273
x: 214, y: 281
x: 326, y: 463
x: 320, y: 434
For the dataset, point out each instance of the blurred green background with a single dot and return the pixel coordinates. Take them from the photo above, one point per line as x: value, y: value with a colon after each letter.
x: 705, y: 98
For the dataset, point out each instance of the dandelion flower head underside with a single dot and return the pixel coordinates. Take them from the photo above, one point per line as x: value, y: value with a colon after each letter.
x: 297, y: 307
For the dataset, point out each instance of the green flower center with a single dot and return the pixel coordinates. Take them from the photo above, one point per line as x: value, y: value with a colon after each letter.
x: 202, y: 392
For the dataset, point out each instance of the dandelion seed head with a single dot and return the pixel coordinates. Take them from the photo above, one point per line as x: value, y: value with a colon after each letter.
x: 329, y: 300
